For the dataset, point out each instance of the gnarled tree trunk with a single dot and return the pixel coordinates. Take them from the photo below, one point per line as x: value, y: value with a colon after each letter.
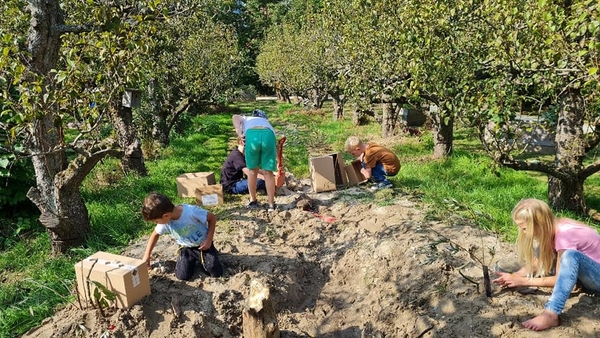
x: 391, y: 112
x: 319, y: 96
x: 443, y: 133
x: 133, y: 158
x: 159, y: 122
x: 57, y: 193
x: 570, y: 153
x: 338, y: 105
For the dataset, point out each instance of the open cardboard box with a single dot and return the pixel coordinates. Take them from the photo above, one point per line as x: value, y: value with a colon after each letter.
x: 187, y: 183
x: 209, y: 195
x: 126, y: 277
x: 355, y: 177
x: 327, y: 172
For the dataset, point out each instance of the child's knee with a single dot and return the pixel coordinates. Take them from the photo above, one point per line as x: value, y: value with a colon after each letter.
x: 183, y: 274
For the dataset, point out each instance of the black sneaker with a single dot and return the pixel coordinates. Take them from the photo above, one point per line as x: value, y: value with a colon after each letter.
x: 272, y: 207
x: 252, y: 205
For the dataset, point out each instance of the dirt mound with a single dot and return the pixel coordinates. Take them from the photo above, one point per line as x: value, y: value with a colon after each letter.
x: 355, y: 266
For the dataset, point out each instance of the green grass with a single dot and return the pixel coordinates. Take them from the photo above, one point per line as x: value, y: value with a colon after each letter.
x: 35, y: 283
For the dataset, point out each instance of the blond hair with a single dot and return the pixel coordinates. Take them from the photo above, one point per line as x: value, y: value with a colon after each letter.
x: 540, y: 225
x: 352, y: 142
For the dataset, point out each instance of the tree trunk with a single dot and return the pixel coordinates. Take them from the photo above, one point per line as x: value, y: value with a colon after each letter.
x: 566, y: 195
x: 133, y: 159
x: 443, y: 133
x: 282, y: 94
x: 318, y: 96
x: 64, y: 215
x: 159, y: 120
x: 63, y: 212
x: 316, y: 99
x: 259, y: 319
x: 391, y: 111
x: 360, y: 116
x: 570, y: 153
x: 57, y: 193
x: 339, y: 101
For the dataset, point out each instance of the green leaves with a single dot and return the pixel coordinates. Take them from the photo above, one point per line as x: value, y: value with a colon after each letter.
x: 102, y: 295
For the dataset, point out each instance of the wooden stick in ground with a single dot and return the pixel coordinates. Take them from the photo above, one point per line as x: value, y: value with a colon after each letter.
x: 175, y: 307
x: 486, y: 281
x: 259, y: 319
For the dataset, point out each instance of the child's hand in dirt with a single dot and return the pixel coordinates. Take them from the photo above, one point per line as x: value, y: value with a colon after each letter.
x: 508, y: 280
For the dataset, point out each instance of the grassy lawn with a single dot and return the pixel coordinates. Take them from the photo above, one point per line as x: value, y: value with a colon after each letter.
x: 34, y: 283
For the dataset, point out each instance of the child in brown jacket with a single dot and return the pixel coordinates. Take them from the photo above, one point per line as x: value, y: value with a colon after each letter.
x: 378, y: 162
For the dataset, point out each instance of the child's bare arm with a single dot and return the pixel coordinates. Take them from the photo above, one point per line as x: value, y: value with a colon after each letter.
x: 238, y: 124
x: 211, y: 219
x: 150, y: 246
x: 366, y: 172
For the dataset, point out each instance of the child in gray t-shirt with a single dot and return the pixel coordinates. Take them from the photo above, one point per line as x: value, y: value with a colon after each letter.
x: 192, y: 227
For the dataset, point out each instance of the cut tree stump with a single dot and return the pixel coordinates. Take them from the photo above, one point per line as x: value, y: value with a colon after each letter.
x: 259, y: 319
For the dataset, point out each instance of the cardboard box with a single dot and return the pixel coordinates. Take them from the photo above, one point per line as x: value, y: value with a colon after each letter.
x: 327, y: 172
x: 187, y: 183
x: 209, y: 195
x: 355, y: 177
x: 126, y: 277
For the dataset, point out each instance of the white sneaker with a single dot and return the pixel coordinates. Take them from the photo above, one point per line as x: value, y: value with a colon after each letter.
x: 381, y: 185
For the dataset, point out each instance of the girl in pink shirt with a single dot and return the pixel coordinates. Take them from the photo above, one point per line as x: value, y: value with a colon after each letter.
x: 572, y: 245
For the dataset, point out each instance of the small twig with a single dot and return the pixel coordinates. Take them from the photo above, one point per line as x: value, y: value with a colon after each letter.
x: 470, y: 280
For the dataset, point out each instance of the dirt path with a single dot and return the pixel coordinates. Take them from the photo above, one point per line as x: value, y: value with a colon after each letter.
x: 381, y: 269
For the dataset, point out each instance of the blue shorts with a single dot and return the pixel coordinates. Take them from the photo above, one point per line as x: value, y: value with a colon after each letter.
x: 261, y: 149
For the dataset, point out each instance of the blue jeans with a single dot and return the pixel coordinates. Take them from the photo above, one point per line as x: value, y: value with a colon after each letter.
x: 241, y: 186
x: 378, y: 173
x: 573, y: 265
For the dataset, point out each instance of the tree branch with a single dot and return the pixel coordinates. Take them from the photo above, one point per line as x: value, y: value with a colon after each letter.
x: 593, y: 141
x: 183, y: 106
x: 589, y: 170
x: 83, y: 164
x: 533, y: 166
x: 61, y: 29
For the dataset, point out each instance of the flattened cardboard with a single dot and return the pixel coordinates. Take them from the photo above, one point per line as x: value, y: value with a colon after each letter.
x: 355, y: 177
x: 187, y: 183
x: 126, y: 277
x: 209, y: 195
x: 327, y: 172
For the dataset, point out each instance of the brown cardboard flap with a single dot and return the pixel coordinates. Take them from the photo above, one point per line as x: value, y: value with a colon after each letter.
x: 327, y: 172
x: 355, y: 177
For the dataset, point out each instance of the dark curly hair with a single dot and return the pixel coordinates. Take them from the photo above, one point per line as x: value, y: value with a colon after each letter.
x: 155, y: 206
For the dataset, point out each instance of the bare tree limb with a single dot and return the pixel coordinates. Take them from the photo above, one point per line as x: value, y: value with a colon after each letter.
x: 533, y: 166
x: 84, y: 163
x: 589, y: 170
x: 61, y: 29
x: 183, y: 106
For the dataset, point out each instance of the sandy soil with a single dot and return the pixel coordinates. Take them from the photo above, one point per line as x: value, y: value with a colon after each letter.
x: 363, y: 265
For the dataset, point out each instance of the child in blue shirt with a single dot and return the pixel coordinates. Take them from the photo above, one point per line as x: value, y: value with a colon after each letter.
x: 192, y: 227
